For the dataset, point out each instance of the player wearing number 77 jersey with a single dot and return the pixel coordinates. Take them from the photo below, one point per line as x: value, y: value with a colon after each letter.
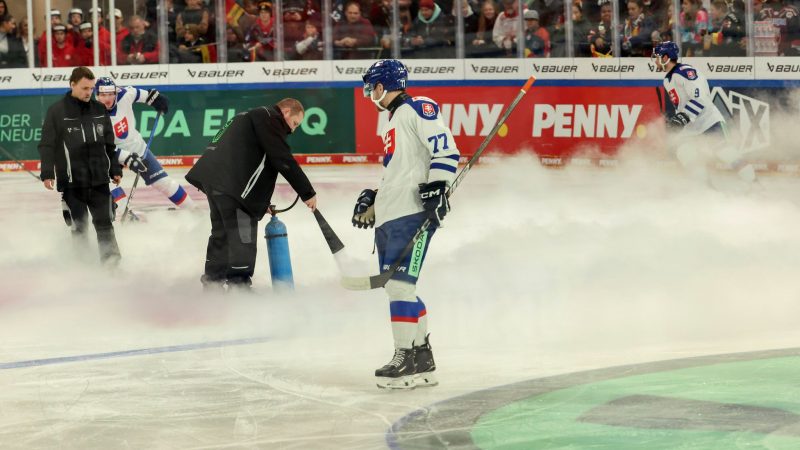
x: 695, y: 115
x: 420, y: 161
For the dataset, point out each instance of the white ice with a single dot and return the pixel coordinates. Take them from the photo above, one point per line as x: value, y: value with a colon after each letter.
x: 537, y: 272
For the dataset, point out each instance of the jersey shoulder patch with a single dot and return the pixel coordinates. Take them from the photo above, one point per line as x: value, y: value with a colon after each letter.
x: 687, y: 71
x: 424, y: 107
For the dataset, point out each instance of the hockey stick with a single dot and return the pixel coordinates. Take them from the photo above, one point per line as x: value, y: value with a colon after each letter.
x: 380, y: 280
x: 136, y: 180
x: 19, y: 163
x: 334, y: 243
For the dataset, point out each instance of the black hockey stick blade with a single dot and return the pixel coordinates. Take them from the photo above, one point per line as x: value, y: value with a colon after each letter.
x: 334, y: 243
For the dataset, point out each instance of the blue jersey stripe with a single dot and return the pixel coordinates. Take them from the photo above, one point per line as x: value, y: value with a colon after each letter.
x: 455, y: 158
x: 696, y: 103
x: 689, y: 108
x: 443, y: 167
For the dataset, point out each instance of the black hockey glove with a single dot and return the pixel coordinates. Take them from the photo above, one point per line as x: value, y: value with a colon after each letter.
x: 434, y: 200
x: 678, y: 120
x: 159, y: 102
x: 136, y: 163
x: 364, y: 212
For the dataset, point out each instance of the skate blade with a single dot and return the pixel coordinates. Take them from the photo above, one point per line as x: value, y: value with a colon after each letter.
x: 406, y: 382
x: 427, y: 379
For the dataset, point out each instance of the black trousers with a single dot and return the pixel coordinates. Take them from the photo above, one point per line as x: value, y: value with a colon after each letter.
x: 95, y: 200
x: 231, y: 252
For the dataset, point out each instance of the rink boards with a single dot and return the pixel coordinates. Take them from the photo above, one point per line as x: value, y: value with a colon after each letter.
x: 579, y: 110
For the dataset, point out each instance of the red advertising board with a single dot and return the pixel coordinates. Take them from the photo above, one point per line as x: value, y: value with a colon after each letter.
x: 552, y: 121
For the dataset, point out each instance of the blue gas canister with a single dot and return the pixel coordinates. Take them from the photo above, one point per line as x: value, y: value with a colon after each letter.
x: 280, y: 263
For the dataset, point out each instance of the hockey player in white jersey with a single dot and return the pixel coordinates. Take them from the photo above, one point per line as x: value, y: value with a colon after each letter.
x: 130, y: 144
x: 420, y: 161
x: 702, y: 128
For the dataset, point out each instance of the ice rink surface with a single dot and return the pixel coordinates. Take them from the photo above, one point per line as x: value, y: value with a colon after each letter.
x: 538, y: 272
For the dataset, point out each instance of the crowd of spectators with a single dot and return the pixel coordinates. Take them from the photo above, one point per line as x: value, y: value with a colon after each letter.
x: 362, y: 29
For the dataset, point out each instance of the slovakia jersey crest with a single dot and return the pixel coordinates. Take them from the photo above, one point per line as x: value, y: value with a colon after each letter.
x: 691, y: 74
x: 425, y: 107
x: 121, y: 128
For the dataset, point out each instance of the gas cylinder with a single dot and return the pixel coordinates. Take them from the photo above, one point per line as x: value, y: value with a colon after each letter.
x: 280, y: 263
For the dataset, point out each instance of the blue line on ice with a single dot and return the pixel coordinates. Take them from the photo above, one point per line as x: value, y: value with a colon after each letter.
x: 136, y: 352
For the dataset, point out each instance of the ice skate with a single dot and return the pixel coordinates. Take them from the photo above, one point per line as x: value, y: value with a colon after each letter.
x: 399, y: 372
x: 425, y: 365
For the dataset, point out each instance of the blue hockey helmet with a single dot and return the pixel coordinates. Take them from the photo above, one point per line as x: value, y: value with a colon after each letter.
x: 668, y: 48
x: 390, y: 73
x: 105, y: 85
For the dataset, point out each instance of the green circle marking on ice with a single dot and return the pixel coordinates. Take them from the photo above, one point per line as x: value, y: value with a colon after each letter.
x: 743, y: 400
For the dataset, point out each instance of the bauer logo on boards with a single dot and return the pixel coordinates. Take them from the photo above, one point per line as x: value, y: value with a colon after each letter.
x: 783, y: 68
x: 621, y: 68
x: 433, y: 70
x: 344, y: 70
x: 145, y: 75
x: 494, y: 69
x: 555, y: 68
x: 289, y: 71
x: 730, y: 68
x: 215, y: 73
x: 49, y: 78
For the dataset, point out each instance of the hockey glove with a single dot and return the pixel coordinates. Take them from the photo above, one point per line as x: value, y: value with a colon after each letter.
x: 679, y: 120
x: 434, y: 200
x: 159, y: 102
x: 136, y: 163
x: 364, y: 212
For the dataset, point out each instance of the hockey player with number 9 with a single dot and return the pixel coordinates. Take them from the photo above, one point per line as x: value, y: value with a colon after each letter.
x: 420, y: 161
x: 696, y: 115
x: 131, y: 148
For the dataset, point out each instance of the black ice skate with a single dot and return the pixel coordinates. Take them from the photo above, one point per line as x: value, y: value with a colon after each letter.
x: 425, y: 365
x: 399, y: 372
